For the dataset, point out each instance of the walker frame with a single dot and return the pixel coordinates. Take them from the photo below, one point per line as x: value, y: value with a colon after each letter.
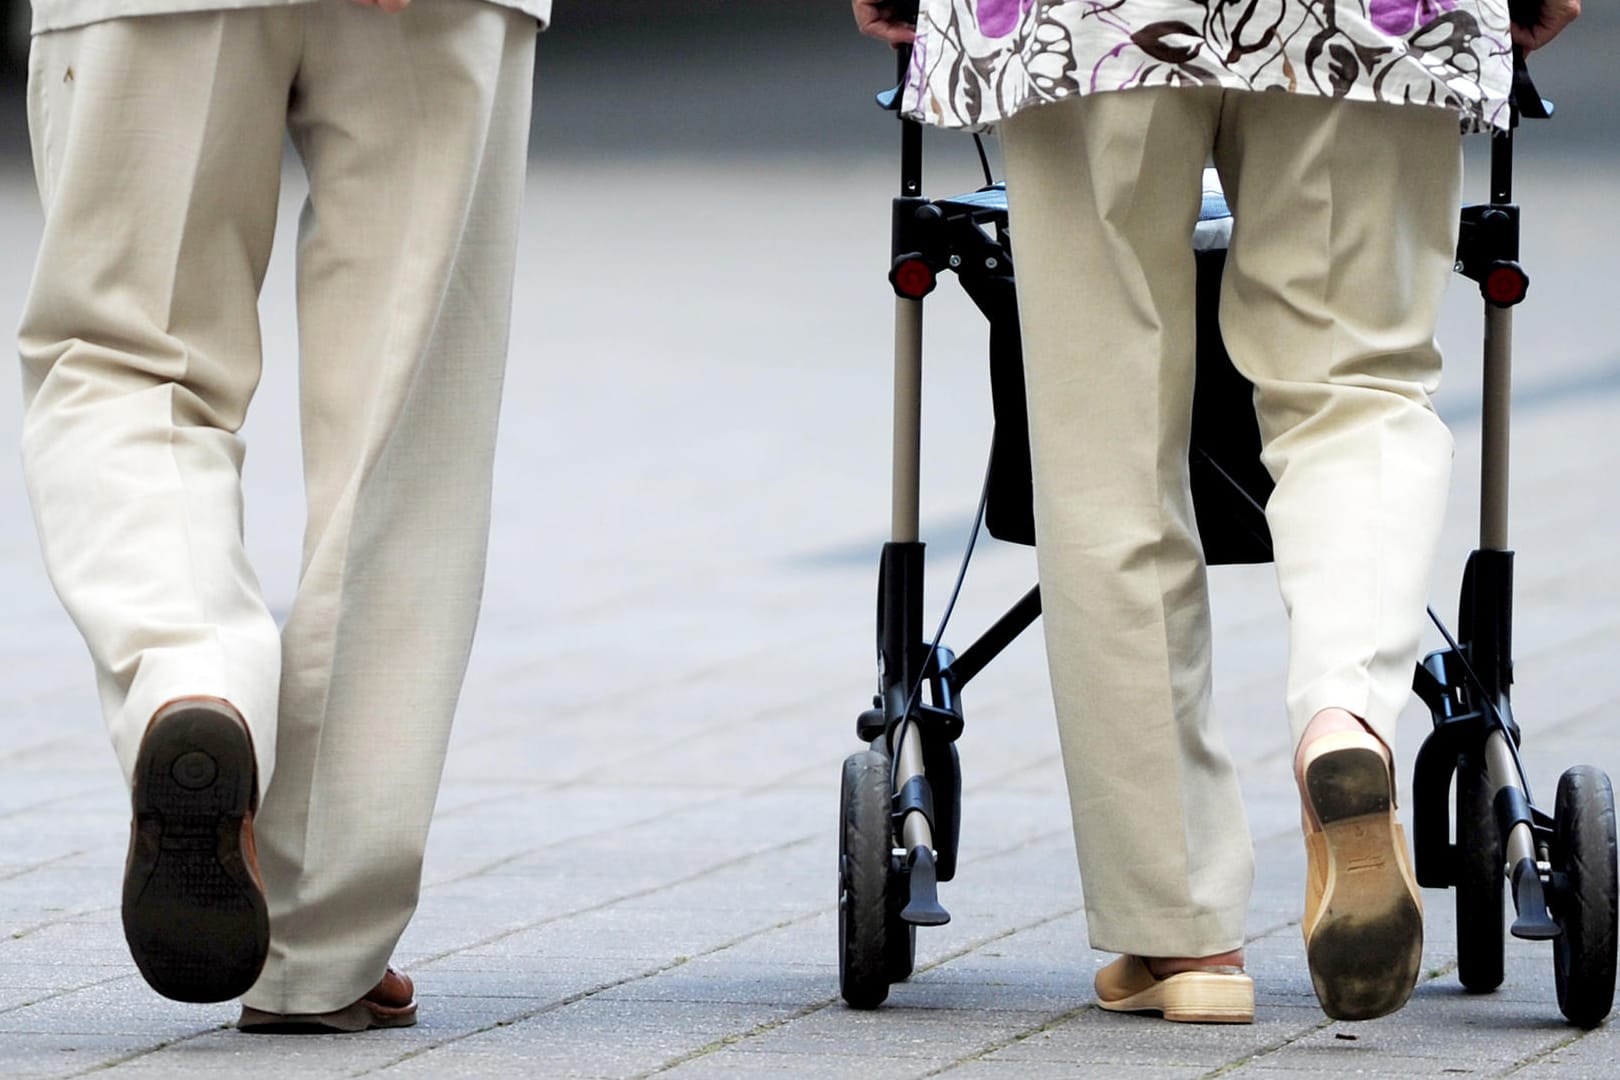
x: 901, y: 799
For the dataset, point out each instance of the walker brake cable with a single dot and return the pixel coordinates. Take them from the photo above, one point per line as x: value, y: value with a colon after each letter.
x: 939, y: 632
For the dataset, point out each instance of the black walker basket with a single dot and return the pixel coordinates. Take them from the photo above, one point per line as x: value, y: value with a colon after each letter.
x: 901, y: 799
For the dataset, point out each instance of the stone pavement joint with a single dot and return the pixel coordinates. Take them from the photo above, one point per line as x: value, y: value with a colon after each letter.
x: 584, y: 995
x: 737, y: 1038
x: 1264, y: 1052
x: 1052, y: 1024
x: 107, y: 1066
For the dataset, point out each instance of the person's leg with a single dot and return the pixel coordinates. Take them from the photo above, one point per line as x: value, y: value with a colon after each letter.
x: 157, y: 144
x: 1345, y: 223
x: 158, y: 153
x: 1104, y: 193
x: 1344, y: 234
x: 414, y: 131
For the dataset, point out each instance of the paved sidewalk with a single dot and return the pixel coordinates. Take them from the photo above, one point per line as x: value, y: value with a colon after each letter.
x: 632, y: 869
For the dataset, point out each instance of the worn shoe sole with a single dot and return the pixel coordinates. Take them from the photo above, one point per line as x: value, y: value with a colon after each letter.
x: 1366, y: 947
x: 1195, y: 997
x: 357, y: 1017
x: 194, y: 911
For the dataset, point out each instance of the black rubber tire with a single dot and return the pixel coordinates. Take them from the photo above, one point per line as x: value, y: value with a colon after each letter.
x: 1584, y: 852
x: 864, y: 845
x: 1481, y: 879
x: 900, y: 949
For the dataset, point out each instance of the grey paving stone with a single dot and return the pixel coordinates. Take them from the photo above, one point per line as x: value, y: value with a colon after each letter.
x: 1384, y: 1066
x: 937, y: 1037
x: 59, y: 1055
x: 733, y: 1063
x: 601, y: 1038
x: 997, y: 1069
x: 1581, y: 1056
x: 124, y: 1007
x: 229, y: 1052
x: 1096, y: 1037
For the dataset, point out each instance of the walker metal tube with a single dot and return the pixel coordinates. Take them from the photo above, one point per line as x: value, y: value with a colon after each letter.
x: 915, y: 831
x: 1503, y: 770
x: 903, y: 528
x: 1495, y: 416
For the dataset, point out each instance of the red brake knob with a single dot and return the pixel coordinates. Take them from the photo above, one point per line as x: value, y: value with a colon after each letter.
x: 912, y: 278
x: 1506, y: 284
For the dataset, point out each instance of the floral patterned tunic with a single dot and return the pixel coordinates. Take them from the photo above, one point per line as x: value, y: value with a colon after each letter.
x: 979, y: 61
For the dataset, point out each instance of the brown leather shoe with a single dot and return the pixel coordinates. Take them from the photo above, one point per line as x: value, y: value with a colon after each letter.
x: 193, y: 905
x: 389, y: 1004
x: 1363, y: 913
x: 1214, y: 995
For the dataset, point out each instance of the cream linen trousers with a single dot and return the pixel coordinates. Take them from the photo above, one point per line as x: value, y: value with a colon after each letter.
x: 1345, y: 219
x: 158, y: 147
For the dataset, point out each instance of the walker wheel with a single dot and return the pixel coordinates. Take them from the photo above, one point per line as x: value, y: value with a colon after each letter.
x: 1583, y: 865
x: 864, y: 846
x: 1480, y: 879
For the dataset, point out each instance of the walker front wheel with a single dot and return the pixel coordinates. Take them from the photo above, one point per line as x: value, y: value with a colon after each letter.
x: 1583, y: 902
x: 1480, y: 878
x: 864, y: 847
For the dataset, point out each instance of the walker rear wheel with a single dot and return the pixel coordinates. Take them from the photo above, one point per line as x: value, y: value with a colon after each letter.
x: 864, y: 847
x: 1583, y: 865
x: 1480, y: 879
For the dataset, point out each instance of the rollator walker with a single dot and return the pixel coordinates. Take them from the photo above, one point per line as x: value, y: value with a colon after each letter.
x: 1476, y: 828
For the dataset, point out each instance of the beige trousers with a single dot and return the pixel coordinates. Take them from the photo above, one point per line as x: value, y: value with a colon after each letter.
x: 1345, y: 228
x: 158, y: 148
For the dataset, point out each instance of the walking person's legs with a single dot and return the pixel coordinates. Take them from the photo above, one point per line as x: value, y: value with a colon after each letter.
x: 158, y: 152
x: 1104, y: 194
x: 158, y: 143
x: 1343, y: 240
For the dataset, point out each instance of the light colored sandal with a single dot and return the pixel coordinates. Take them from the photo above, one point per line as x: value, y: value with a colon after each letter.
x: 1363, y: 915
x: 1215, y: 995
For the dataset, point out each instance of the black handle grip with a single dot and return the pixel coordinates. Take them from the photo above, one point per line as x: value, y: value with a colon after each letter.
x: 906, y: 10
x: 1526, y: 98
x: 1525, y: 12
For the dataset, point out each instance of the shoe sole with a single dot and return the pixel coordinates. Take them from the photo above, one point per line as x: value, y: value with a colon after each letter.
x: 1193, y: 997
x: 1366, y: 949
x: 194, y: 914
x: 357, y: 1017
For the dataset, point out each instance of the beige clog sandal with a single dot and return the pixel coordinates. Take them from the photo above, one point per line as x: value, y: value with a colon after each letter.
x: 1217, y: 995
x: 1363, y: 914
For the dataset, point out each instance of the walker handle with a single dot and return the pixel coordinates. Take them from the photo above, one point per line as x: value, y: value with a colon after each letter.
x: 1527, y: 102
x: 1525, y: 13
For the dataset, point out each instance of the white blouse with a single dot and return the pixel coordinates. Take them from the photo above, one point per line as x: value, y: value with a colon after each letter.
x: 979, y: 61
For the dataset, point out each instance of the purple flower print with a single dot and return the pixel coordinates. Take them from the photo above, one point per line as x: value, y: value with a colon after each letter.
x: 997, y: 18
x: 1397, y: 18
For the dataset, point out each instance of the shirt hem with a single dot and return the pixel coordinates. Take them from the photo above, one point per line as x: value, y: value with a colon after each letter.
x: 53, y: 15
